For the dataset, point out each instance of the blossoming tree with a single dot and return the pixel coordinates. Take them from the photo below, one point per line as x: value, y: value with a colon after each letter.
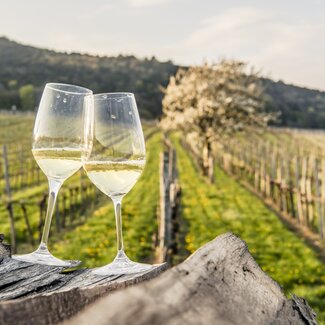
x: 214, y: 101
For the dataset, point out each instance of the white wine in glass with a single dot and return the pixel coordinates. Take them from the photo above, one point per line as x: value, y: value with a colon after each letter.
x: 59, y: 141
x: 58, y: 163
x: 114, y: 177
x: 115, y: 163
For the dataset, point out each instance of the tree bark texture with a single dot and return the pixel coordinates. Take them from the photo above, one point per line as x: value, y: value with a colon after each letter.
x: 219, y: 284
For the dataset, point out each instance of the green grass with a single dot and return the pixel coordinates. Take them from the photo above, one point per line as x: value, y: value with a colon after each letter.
x: 94, y: 242
x: 15, y: 128
x: 209, y: 210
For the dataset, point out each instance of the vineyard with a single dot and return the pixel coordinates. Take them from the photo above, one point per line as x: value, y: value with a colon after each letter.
x: 24, y: 190
x: 284, y: 167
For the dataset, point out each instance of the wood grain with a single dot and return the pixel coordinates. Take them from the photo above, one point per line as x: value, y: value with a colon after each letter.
x: 219, y: 284
x: 40, y: 294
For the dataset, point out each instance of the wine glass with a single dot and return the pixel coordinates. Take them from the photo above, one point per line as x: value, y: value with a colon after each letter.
x: 116, y: 162
x: 58, y: 143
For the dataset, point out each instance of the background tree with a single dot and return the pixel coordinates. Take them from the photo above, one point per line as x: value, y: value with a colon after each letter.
x: 27, y: 97
x: 214, y: 101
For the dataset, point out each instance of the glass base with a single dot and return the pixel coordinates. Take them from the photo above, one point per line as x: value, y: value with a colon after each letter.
x: 122, y: 265
x: 44, y: 257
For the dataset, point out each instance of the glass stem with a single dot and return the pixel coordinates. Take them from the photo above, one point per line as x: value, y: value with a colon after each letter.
x: 54, y: 187
x: 118, y: 218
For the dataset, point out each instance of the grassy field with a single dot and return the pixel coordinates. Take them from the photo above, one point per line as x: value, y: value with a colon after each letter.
x: 209, y: 210
x: 15, y: 128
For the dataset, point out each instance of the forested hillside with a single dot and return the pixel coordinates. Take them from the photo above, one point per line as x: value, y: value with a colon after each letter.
x: 24, y: 70
x: 299, y: 107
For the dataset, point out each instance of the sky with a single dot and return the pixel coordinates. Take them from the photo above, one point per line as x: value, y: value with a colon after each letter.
x: 284, y: 39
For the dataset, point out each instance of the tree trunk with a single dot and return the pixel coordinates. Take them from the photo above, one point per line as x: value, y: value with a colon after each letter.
x: 208, y: 163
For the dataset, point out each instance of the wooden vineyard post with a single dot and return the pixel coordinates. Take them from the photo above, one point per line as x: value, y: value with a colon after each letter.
x: 283, y: 186
x: 29, y: 229
x: 42, y: 212
x: 211, y: 168
x: 320, y: 211
x: 309, y: 197
x: 9, y: 201
x: 323, y: 195
x: 169, y: 194
x: 264, y: 172
x: 278, y: 183
x: 77, y: 190
x: 300, y: 212
x: 262, y: 176
x: 273, y: 176
x: 303, y: 190
x: 292, y: 208
x: 163, y: 215
x: 267, y: 179
x: 21, y: 166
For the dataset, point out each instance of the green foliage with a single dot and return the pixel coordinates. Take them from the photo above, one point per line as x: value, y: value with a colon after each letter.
x: 16, y: 129
x: 209, y: 210
x: 30, y: 65
x: 12, y: 84
x: 27, y: 97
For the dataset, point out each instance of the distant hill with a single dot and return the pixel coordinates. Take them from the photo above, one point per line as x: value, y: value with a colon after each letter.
x: 22, y: 65
x: 299, y: 107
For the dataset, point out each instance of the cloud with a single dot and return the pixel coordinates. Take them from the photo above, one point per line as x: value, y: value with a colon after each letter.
x: 292, y: 49
x: 225, y: 32
x: 146, y: 3
x: 97, y: 11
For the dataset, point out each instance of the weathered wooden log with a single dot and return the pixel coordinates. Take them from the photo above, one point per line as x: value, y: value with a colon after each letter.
x: 219, y: 284
x: 40, y: 294
x: 5, y: 251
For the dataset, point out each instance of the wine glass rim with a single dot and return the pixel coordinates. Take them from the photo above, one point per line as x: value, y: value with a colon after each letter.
x: 82, y: 90
x: 122, y: 95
